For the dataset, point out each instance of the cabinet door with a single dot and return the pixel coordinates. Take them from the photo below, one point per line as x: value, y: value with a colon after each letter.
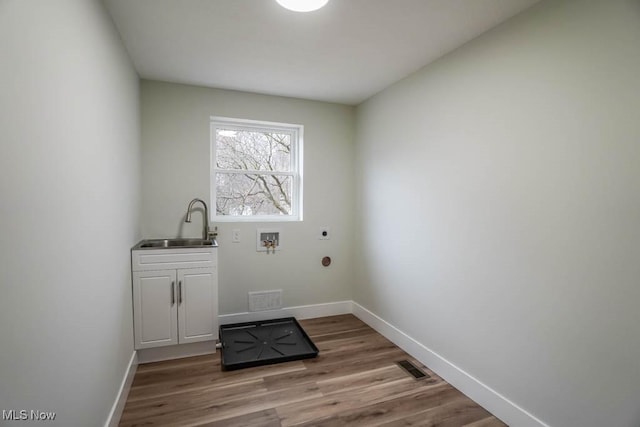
x: 155, y: 308
x: 197, y: 305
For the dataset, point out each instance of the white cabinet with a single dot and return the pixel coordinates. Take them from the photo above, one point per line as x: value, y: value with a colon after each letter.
x: 154, y: 308
x: 196, y: 312
x: 175, y: 296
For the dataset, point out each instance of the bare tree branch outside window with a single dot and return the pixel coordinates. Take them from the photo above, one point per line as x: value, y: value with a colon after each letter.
x: 254, y: 174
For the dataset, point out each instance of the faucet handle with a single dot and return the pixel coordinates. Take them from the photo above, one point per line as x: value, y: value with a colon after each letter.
x: 213, y: 234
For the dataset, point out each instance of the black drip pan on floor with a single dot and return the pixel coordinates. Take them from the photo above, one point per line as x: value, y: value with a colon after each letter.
x: 264, y: 342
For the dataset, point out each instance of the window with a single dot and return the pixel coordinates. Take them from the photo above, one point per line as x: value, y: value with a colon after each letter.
x: 256, y: 170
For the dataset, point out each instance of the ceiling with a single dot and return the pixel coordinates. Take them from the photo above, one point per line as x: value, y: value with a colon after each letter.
x: 344, y: 53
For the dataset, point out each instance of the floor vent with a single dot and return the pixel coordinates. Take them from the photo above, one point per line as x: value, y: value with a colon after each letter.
x: 412, y: 370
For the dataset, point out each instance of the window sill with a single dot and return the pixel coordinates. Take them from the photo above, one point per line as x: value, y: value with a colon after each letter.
x: 230, y: 218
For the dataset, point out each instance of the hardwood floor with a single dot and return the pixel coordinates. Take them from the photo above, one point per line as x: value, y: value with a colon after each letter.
x: 355, y: 381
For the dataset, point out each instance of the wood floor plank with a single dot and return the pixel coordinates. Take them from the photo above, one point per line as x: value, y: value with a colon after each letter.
x: 214, y: 393
x: 354, y: 402
x: 487, y: 422
x: 348, y: 382
x: 457, y: 412
x: 332, y: 324
x: 328, y: 368
x: 195, y: 409
x: 371, y: 379
x: 354, y: 381
x: 180, y: 381
x: 359, y: 332
x: 266, y: 418
x: 365, y: 409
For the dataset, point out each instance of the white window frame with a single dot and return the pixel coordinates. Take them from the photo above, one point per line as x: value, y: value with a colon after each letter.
x: 296, y: 131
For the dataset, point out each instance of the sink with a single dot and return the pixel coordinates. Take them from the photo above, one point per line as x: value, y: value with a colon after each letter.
x: 174, y: 243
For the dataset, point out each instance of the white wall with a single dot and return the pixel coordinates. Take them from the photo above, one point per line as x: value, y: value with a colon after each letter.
x: 507, y: 177
x: 69, y: 156
x: 175, y: 163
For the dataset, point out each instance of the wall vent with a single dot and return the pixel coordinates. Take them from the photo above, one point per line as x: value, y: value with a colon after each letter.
x: 265, y: 300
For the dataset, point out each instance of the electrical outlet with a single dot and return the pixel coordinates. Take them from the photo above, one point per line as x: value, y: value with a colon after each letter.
x: 235, y: 236
x: 325, y: 233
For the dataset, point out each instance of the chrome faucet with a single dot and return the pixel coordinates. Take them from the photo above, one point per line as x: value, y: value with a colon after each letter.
x: 206, y: 235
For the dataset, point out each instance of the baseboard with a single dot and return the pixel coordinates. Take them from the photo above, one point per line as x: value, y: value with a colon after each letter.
x: 484, y: 395
x: 299, y: 312
x: 118, y: 406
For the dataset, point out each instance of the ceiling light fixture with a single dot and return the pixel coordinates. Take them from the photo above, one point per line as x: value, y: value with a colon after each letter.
x: 302, y: 5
